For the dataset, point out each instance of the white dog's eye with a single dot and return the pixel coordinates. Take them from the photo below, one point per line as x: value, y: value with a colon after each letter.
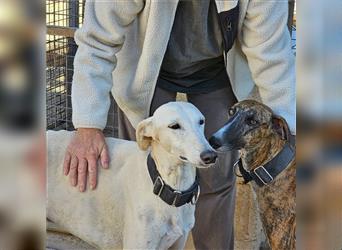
x: 174, y: 126
x: 201, y: 122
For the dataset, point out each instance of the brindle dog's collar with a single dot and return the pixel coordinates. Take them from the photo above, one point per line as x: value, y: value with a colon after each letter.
x: 265, y: 174
x: 169, y: 195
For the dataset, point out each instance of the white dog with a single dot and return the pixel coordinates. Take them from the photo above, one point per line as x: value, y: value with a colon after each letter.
x: 140, y: 202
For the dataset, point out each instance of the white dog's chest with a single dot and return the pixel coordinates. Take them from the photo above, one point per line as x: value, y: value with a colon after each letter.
x: 175, y: 226
x: 162, y: 225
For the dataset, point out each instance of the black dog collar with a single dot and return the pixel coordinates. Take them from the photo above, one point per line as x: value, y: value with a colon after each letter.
x: 265, y: 174
x: 168, y: 194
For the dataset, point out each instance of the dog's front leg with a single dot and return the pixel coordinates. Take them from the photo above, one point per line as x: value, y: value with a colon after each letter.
x: 141, y: 232
x: 180, y: 243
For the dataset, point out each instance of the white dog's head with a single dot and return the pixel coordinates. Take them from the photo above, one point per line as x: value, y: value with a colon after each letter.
x: 179, y: 128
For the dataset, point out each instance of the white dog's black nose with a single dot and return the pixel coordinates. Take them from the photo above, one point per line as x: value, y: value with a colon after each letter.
x: 208, y: 156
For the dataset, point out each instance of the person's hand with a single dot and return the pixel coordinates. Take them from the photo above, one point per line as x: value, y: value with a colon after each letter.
x: 85, y: 149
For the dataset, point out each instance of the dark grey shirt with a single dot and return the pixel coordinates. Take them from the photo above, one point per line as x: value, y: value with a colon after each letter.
x: 193, y: 61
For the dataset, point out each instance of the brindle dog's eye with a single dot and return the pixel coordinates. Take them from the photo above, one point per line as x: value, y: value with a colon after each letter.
x: 251, y: 121
x: 231, y: 111
x: 174, y: 126
x: 201, y: 122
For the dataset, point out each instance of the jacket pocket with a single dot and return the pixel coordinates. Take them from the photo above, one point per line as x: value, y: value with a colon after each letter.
x: 229, y: 26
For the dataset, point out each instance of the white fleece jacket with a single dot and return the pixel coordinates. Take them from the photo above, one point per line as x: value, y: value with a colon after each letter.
x: 122, y: 44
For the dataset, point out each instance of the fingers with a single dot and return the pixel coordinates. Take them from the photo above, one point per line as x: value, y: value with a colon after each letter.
x: 73, y: 171
x: 66, y: 165
x: 82, y: 174
x: 92, y: 168
x: 104, y: 156
x: 78, y: 172
x: 84, y: 151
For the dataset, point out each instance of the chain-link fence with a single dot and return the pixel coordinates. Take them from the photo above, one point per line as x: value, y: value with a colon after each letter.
x: 63, y: 17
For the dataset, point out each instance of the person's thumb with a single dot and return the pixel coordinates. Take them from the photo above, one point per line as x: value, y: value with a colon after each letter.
x: 104, y: 157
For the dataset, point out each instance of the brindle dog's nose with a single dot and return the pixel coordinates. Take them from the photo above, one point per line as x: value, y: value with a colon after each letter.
x: 208, y: 156
x: 215, y: 142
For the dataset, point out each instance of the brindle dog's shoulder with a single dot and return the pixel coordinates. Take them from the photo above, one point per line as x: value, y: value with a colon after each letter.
x: 277, y: 204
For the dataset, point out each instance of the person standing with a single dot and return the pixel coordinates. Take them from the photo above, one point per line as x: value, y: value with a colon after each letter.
x: 144, y: 52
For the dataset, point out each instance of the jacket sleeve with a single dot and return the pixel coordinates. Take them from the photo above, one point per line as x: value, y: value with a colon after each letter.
x: 266, y: 42
x: 99, y: 39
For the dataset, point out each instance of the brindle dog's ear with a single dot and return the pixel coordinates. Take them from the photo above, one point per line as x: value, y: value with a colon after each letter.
x: 280, y: 126
x: 144, y: 133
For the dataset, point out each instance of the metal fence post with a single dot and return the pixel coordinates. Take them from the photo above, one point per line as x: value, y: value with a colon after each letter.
x: 290, y: 16
x: 72, y: 48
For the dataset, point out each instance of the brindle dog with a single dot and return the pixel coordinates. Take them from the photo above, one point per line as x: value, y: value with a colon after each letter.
x: 260, y: 135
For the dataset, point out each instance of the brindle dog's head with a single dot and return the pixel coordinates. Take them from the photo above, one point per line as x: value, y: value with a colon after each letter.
x: 250, y: 122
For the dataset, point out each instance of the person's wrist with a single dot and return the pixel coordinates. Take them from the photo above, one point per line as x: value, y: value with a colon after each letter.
x: 87, y: 130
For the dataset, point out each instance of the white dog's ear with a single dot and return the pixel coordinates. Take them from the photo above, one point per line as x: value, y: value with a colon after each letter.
x: 144, y: 133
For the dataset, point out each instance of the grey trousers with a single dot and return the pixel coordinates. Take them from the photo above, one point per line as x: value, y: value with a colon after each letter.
x: 214, y: 225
